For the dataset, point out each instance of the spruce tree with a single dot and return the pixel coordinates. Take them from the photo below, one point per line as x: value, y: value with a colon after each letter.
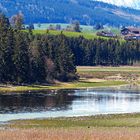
x: 21, y: 58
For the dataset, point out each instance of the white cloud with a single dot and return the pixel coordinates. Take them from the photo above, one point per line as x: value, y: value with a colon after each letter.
x: 126, y: 3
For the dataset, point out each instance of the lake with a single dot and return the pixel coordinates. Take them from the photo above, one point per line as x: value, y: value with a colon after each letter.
x: 67, y: 103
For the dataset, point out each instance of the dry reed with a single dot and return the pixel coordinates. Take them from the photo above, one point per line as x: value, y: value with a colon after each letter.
x: 71, y: 134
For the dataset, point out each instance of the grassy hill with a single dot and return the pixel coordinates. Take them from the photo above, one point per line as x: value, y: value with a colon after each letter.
x: 67, y: 33
x: 87, y: 32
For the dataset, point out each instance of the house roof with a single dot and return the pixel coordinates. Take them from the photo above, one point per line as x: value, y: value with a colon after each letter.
x: 132, y: 35
x: 132, y: 29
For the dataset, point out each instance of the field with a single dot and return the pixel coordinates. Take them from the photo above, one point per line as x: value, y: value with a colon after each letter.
x: 85, y: 28
x: 87, y: 32
x: 110, y: 69
x: 72, y: 134
x: 87, y: 35
x: 68, y: 33
x: 125, y: 73
x: 106, y: 127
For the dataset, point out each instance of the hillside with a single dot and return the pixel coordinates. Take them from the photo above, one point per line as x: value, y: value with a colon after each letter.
x: 63, y: 11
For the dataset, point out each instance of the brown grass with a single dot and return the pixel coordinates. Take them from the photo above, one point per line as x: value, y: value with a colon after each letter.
x: 71, y: 134
x: 126, y: 73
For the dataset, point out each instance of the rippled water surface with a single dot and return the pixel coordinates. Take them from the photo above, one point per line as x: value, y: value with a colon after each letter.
x: 67, y: 104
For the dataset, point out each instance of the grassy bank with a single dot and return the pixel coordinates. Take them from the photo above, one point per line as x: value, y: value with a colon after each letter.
x: 71, y: 85
x: 124, y: 120
x: 105, y: 127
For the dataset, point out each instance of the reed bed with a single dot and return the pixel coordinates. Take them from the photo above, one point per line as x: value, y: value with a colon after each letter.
x: 71, y: 134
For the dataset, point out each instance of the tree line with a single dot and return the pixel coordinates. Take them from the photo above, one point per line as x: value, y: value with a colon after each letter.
x: 105, y: 52
x: 28, y: 58
x: 102, y: 51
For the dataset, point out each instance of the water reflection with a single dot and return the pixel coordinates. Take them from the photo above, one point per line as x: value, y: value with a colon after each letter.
x: 32, y: 102
x: 68, y: 103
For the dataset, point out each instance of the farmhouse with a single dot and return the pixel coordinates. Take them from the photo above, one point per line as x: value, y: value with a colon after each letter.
x: 131, y: 33
x: 106, y: 34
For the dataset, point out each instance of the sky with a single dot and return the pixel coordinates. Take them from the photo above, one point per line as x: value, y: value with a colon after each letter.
x: 129, y: 3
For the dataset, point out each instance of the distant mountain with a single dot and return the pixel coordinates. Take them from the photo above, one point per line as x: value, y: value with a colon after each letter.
x: 63, y: 11
x: 127, y: 3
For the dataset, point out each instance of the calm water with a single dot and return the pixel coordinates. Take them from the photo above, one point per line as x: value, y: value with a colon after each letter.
x: 67, y: 104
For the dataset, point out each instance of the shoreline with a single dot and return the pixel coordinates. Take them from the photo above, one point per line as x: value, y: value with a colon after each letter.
x: 102, y: 120
x: 90, y: 78
x: 62, y: 86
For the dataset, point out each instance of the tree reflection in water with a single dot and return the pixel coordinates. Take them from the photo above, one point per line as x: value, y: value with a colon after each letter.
x: 34, y: 102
